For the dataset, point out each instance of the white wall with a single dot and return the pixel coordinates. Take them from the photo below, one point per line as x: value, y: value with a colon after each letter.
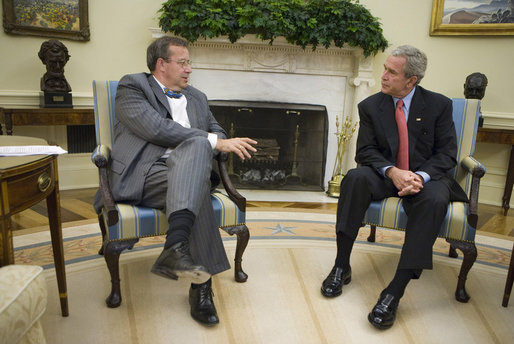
x: 119, y: 36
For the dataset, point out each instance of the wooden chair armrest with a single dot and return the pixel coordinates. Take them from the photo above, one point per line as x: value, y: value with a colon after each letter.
x: 235, y: 196
x: 473, y: 166
x: 101, y: 155
x: 477, y: 171
x: 100, y: 158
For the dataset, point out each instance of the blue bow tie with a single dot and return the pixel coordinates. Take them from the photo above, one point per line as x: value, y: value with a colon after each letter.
x: 172, y: 94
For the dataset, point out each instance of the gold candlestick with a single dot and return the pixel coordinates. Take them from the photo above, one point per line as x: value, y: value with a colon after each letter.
x: 343, y: 135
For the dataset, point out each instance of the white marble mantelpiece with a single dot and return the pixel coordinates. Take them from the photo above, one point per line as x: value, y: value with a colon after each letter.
x: 252, y: 69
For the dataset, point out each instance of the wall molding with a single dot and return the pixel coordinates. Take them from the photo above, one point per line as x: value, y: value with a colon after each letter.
x: 21, y: 98
x: 498, y: 120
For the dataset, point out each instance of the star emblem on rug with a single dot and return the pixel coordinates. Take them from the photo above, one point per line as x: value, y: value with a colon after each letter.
x: 281, y: 229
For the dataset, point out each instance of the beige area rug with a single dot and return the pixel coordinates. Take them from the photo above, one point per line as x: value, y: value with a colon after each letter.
x: 288, y: 257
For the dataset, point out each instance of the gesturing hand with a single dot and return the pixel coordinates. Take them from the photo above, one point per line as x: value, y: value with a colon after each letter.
x: 237, y: 145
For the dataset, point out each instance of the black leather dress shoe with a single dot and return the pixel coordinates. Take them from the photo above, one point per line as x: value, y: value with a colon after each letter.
x: 176, y: 261
x: 382, y: 316
x: 202, y: 305
x: 332, y: 286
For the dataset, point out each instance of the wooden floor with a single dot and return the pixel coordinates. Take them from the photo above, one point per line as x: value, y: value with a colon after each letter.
x: 76, y: 205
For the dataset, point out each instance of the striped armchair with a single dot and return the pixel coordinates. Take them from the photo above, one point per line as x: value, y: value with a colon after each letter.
x: 123, y: 224
x: 460, y: 223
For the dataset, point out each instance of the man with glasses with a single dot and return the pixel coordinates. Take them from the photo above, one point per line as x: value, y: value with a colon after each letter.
x: 164, y: 142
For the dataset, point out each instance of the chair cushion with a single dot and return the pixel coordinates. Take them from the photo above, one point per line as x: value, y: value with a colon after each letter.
x: 389, y: 213
x: 22, y: 302
x: 137, y: 222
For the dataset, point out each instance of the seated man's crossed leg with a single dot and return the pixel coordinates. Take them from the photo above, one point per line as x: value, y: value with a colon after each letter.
x: 180, y: 185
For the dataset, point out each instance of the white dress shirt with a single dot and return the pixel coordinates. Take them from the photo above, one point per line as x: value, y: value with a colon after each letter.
x: 179, y: 114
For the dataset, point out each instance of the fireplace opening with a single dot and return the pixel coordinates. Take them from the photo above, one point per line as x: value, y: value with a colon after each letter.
x: 292, y: 143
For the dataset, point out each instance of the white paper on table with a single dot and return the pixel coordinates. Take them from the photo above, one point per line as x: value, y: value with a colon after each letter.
x: 30, y: 150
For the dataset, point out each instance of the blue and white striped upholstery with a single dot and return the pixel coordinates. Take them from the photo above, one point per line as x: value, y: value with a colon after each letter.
x: 138, y: 222
x: 135, y: 221
x: 389, y: 212
x: 104, y: 94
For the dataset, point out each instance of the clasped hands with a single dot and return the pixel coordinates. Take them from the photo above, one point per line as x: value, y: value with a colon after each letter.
x: 238, y: 145
x: 407, y: 182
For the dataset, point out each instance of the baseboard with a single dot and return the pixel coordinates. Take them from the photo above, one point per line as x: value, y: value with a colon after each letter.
x: 76, y: 171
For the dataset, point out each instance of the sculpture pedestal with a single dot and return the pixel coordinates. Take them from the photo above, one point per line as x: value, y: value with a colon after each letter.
x: 55, y: 100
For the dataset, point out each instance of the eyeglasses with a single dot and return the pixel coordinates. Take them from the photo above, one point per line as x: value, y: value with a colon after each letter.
x: 183, y: 63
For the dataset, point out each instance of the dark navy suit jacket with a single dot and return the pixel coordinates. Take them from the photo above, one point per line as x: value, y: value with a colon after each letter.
x: 432, y: 137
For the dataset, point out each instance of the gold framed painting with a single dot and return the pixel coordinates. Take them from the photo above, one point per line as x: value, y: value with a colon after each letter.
x: 472, y: 18
x: 66, y: 19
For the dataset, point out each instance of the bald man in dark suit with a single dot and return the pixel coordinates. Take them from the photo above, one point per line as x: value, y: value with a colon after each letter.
x: 420, y: 176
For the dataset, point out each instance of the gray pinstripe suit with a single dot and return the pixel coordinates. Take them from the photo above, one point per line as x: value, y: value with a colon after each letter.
x: 144, y: 129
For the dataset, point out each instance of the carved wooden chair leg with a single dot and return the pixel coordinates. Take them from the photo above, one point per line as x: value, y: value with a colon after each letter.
x: 243, y: 235
x: 509, y: 281
x: 112, y: 251
x: 372, y: 233
x: 453, y: 252
x: 104, y: 232
x: 470, y: 255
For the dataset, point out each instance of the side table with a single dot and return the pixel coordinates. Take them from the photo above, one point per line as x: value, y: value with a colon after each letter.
x: 44, y: 116
x: 24, y: 182
x: 504, y: 136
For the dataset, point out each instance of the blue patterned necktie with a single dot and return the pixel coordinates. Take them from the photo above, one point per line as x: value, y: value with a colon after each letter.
x: 172, y: 94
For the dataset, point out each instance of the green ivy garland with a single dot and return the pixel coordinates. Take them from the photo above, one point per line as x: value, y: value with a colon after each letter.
x: 301, y: 22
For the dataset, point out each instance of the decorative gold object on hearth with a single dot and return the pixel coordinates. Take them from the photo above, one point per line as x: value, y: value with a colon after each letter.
x: 344, y: 135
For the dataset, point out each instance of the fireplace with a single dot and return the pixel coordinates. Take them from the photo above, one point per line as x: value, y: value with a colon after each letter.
x: 335, y: 80
x: 292, y: 143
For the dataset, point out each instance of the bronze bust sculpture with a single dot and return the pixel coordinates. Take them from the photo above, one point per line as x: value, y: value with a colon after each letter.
x: 475, y: 85
x: 474, y: 88
x: 54, y: 55
x: 56, y: 90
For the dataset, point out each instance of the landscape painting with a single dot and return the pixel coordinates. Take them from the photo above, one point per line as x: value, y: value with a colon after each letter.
x: 49, y: 18
x: 472, y: 17
x: 55, y: 14
x: 478, y: 11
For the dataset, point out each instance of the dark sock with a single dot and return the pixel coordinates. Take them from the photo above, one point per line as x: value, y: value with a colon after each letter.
x: 181, y: 222
x: 400, y: 281
x: 194, y: 285
x: 344, y: 249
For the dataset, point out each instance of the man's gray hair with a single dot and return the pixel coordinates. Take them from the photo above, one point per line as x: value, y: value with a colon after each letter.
x: 416, y: 63
x: 159, y: 49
